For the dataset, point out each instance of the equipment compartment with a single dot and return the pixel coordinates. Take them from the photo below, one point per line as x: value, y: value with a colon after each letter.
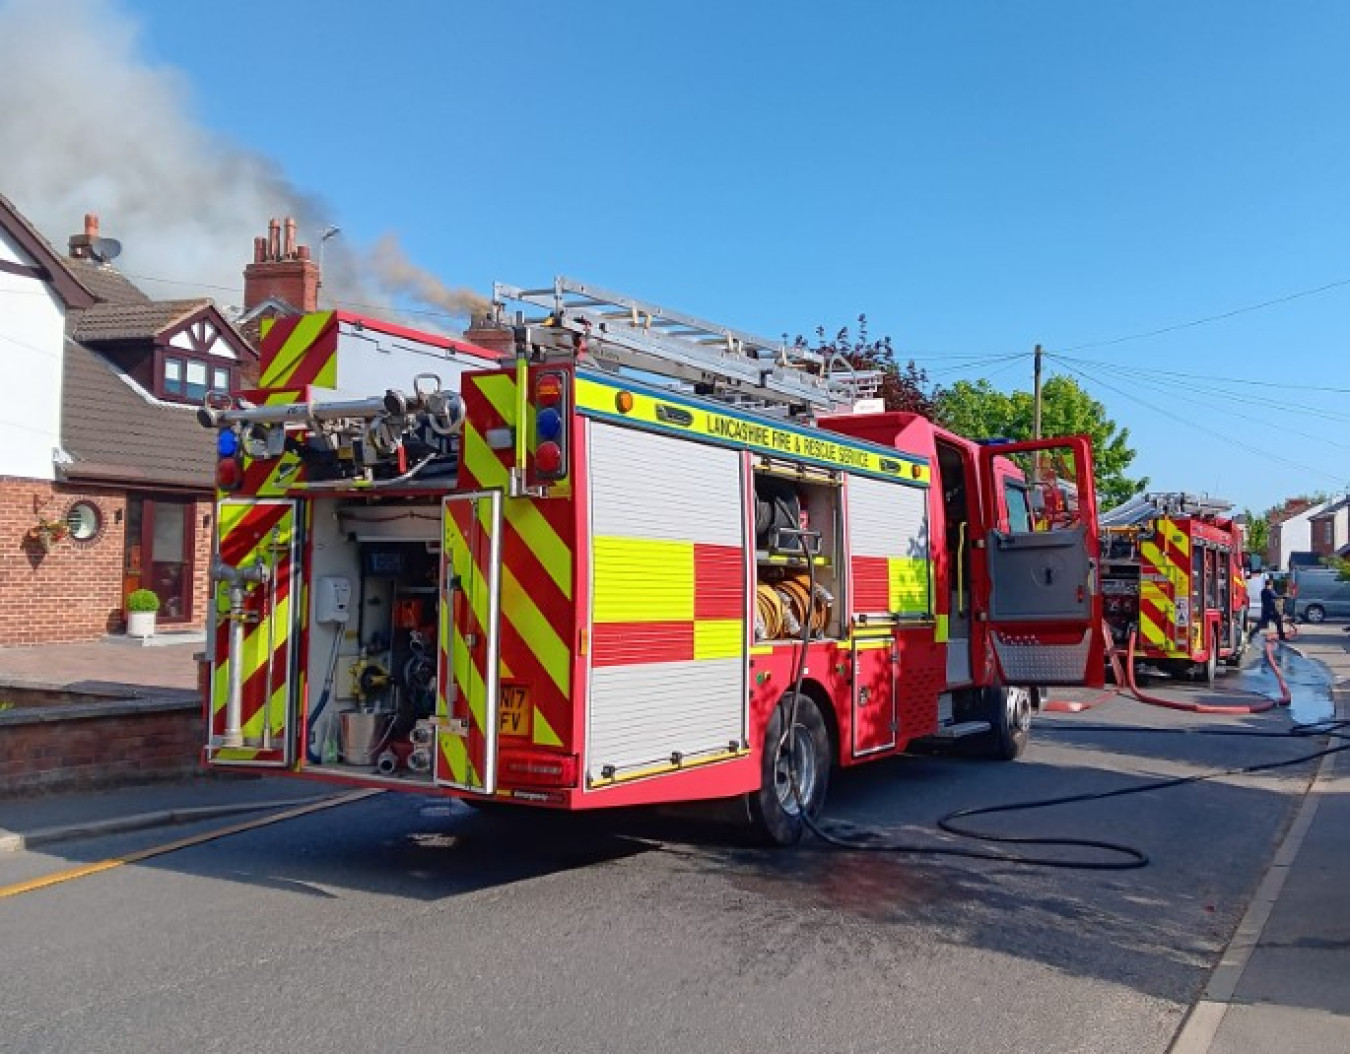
x: 797, y: 534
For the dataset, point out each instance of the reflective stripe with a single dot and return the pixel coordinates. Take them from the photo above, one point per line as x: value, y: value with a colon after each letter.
x: 643, y: 580
x: 719, y: 638
x: 282, y: 366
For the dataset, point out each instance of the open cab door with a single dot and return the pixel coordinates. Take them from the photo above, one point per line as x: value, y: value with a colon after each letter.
x: 1044, y: 610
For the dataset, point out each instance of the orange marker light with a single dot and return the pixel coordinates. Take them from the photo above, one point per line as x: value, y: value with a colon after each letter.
x: 548, y: 390
x: 623, y: 402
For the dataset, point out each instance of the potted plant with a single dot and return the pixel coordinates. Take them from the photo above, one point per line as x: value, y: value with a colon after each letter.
x: 142, y: 605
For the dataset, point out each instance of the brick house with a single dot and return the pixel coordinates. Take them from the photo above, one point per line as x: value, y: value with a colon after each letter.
x: 101, y: 434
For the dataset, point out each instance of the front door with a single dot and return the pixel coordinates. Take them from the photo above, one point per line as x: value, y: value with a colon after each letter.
x: 252, y: 704
x: 1044, y: 606
x: 467, y: 703
x: 159, y: 546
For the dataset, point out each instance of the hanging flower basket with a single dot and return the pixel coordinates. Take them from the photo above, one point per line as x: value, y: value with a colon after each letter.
x: 48, y: 533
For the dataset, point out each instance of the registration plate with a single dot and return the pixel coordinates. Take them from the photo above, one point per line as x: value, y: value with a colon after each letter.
x: 515, y: 716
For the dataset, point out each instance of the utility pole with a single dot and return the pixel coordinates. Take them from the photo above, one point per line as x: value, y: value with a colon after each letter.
x: 1036, y: 397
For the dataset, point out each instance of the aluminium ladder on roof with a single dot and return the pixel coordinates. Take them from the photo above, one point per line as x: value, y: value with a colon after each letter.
x: 1145, y: 507
x: 622, y: 331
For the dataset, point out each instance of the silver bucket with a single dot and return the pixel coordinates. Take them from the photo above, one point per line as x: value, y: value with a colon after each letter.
x: 363, y: 736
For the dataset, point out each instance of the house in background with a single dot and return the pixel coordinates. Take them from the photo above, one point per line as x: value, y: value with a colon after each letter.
x: 1291, y: 533
x: 101, y: 435
x: 1330, y: 528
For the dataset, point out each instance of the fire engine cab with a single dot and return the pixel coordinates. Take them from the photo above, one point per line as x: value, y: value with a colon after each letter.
x: 1172, y: 575
x: 599, y: 553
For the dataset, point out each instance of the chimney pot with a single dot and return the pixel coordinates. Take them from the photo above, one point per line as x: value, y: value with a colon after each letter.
x: 259, y: 249
x: 91, y: 225
x: 273, y: 239
x: 290, y: 237
x: 302, y: 251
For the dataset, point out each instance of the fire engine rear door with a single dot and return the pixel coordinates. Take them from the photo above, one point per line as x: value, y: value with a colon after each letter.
x: 467, y: 703
x: 257, y: 553
x: 1044, y: 609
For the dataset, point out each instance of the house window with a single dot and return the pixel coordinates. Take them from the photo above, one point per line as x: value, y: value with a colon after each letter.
x: 185, y: 378
x: 173, y: 376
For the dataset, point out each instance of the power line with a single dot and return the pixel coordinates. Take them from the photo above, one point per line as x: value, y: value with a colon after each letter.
x: 1148, y: 378
x: 1212, y: 318
x: 1222, y: 380
x: 1227, y: 438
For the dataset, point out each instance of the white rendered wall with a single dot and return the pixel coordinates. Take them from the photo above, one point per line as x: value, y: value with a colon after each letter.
x: 32, y: 349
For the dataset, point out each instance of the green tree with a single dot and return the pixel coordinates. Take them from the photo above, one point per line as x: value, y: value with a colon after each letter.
x: 1258, y: 533
x: 902, y: 387
x: 977, y: 410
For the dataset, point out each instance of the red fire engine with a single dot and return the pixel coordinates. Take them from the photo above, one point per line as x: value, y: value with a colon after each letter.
x: 604, y: 554
x: 1172, y: 574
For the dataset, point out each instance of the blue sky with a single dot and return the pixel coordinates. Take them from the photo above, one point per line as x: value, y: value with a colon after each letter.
x: 976, y: 177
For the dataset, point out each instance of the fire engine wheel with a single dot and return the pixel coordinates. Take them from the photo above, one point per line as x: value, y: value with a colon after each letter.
x: 803, y: 756
x: 1008, y: 709
x: 1207, y: 670
x: 1235, y: 656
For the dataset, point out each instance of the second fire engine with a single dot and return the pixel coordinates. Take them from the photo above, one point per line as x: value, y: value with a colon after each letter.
x: 1172, y: 574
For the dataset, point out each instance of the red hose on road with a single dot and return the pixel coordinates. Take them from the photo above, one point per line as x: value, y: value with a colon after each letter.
x: 1071, y: 706
x: 1125, y: 677
x: 1208, y: 708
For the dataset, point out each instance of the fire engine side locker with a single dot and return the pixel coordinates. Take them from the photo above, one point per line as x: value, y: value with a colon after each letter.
x: 468, y: 700
x: 257, y: 538
x: 891, y: 586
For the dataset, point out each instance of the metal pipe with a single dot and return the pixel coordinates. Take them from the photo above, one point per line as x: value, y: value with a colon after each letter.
x: 237, y: 578
x: 234, y: 699
x: 271, y: 638
x: 282, y: 413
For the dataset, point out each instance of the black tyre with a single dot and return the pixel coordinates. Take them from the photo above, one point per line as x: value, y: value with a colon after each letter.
x: 1206, y: 671
x: 1007, y: 708
x: 794, y: 771
x: 1314, y: 613
x: 1239, y: 648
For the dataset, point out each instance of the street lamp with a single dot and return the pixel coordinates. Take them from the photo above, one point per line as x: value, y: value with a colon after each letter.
x: 331, y: 231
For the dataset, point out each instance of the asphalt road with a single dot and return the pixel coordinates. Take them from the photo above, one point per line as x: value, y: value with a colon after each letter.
x: 407, y: 923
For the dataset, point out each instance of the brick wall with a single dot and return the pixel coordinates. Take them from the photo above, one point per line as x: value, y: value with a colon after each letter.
x: 82, y: 746
x: 74, y: 592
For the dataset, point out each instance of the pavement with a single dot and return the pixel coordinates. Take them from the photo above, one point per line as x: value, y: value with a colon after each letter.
x: 1283, y: 983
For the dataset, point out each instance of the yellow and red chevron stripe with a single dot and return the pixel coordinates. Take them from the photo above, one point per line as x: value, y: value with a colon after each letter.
x: 666, y: 601
x: 1164, y: 579
x: 300, y: 351
x: 250, y: 532
x: 537, y: 619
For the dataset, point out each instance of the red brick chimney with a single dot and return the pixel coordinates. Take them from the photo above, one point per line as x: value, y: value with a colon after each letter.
x: 282, y: 269
x: 81, y: 245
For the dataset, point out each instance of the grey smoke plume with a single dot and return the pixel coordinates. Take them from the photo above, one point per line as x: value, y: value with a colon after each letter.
x: 88, y: 124
x: 400, y: 275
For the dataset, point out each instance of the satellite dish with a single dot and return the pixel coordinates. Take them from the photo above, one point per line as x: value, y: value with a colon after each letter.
x: 105, y: 249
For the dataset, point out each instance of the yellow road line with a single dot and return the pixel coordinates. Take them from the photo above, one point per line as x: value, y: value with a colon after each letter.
x: 84, y: 870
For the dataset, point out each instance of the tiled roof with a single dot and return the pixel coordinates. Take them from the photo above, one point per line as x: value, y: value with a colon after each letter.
x: 114, y: 432
x: 132, y: 321
x: 72, y: 289
x: 105, y: 281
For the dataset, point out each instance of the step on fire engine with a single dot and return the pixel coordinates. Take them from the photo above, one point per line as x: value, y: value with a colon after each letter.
x: 596, y: 554
x: 1172, y: 573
